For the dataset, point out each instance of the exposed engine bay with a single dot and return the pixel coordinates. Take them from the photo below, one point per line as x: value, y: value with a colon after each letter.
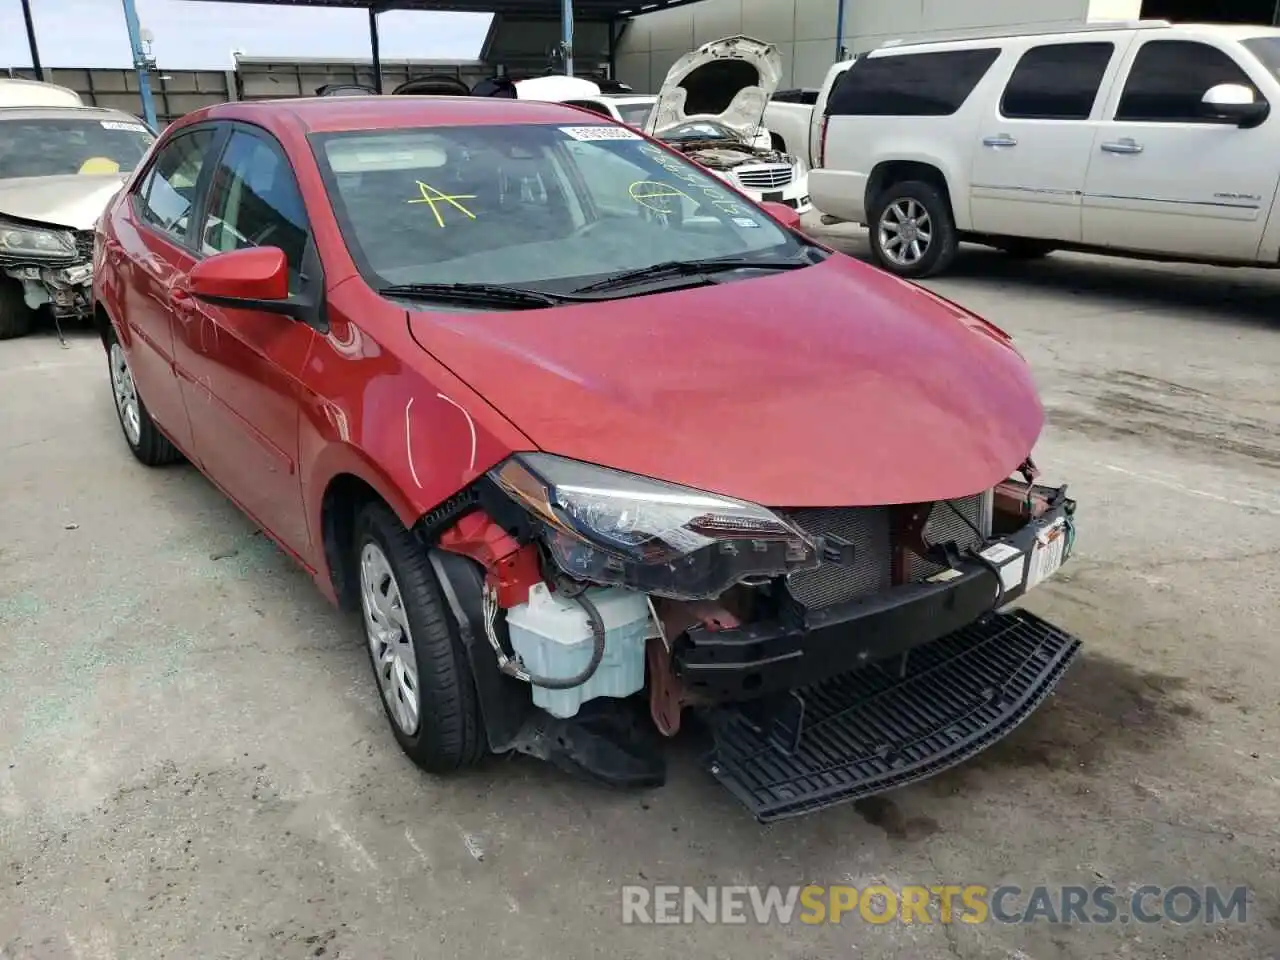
x: 714, y: 155
x: 576, y: 605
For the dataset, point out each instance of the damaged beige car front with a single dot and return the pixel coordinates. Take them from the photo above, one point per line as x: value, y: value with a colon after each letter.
x: 59, y: 165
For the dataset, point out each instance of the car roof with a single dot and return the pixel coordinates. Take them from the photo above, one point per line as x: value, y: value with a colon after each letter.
x: 343, y: 114
x: 41, y: 112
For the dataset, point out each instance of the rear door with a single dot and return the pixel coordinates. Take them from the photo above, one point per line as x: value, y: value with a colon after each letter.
x: 1033, y: 146
x: 245, y: 364
x: 1164, y: 179
x: 154, y: 254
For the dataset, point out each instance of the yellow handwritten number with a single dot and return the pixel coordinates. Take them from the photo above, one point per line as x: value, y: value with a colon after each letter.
x: 431, y: 196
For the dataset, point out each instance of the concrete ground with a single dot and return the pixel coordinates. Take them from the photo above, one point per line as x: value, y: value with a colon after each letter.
x: 193, y: 761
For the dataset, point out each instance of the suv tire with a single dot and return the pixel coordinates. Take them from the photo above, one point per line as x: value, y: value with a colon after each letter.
x: 919, y: 215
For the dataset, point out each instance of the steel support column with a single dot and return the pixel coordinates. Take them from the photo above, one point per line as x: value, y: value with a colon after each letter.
x: 566, y: 35
x: 375, y: 49
x: 140, y: 63
x: 31, y: 40
x: 840, y: 29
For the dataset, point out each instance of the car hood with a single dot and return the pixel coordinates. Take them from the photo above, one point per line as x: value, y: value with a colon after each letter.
x: 704, y: 69
x: 73, y: 200
x: 835, y: 385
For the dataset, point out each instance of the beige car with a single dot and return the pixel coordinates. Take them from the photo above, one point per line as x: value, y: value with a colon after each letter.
x: 60, y: 162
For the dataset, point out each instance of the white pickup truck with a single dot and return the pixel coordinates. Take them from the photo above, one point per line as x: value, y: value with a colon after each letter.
x: 794, y: 118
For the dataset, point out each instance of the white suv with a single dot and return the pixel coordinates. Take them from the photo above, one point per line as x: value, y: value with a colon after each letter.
x: 1140, y: 139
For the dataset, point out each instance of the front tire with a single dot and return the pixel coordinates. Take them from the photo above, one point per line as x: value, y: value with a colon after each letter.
x: 913, y: 233
x: 144, y: 438
x: 421, y: 670
x: 16, y: 317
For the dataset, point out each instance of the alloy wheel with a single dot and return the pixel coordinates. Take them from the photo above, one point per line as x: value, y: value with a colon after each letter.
x: 126, y: 395
x: 386, y: 625
x: 905, y: 232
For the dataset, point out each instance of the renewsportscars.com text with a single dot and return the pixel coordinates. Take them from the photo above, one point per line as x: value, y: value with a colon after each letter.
x: 967, y: 903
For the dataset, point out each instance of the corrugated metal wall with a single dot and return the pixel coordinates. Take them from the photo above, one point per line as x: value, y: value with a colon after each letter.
x: 178, y: 92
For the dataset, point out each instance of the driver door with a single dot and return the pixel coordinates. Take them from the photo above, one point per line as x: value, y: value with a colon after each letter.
x: 1164, y: 179
x: 244, y: 365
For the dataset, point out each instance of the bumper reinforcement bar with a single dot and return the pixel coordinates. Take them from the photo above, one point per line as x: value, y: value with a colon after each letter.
x: 892, y: 723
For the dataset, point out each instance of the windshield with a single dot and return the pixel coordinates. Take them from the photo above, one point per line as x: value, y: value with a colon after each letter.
x: 49, y: 147
x: 634, y: 114
x: 540, y: 206
x: 699, y: 130
x: 1266, y: 49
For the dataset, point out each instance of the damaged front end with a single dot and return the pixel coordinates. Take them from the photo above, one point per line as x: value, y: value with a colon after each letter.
x: 53, y: 264
x: 832, y: 652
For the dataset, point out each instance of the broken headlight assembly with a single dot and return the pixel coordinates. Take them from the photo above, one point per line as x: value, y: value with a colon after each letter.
x: 609, y: 527
x: 23, y: 240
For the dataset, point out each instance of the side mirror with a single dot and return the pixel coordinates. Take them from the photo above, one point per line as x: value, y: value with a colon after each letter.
x: 254, y: 274
x: 255, y: 278
x: 1234, y: 103
x: 782, y: 213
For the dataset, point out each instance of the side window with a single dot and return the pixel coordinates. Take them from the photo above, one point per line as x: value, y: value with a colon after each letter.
x: 254, y: 201
x: 911, y: 84
x: 1170, y: 77
x: 169, y: 189
x: 592, y: 106
x: 1056, y: 82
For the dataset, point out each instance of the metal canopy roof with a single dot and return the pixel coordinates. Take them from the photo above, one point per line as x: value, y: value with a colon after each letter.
x: 537, y: 9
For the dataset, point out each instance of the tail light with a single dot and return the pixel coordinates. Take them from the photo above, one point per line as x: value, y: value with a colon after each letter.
x: 822, y: 141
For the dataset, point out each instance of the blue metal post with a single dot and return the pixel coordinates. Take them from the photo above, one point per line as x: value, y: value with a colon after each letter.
x: 566, y: 35
x: 140, y: 63
x: 839, y: 29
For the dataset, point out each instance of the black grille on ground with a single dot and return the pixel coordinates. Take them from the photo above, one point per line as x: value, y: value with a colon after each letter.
x: 867, y: 528
x: 873, y: 730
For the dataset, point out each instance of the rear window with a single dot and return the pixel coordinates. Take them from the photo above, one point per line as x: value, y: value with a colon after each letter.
x: 911, y: 84
x: 543, y: 206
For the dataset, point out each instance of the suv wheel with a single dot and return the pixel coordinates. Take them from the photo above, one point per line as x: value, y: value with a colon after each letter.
x: 15, y: 315
x: 913, y: 233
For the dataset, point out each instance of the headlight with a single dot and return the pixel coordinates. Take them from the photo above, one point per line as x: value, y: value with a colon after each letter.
x: 612, y: 527
x: 24, y: 241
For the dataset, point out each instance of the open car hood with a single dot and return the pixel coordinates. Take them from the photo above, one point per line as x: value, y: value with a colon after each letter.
x: 874, y: 391
x: 729, y: 80
x: 71, y: 200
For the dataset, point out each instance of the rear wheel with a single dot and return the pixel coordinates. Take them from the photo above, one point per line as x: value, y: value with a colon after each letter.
x: 15, y: 316
x: 422, y: 673
x: 145, y: 440
x: 913, y: 233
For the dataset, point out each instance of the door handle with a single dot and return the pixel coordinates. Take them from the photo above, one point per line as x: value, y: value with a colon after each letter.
x: 999, y: 140
x: 1127, y: 145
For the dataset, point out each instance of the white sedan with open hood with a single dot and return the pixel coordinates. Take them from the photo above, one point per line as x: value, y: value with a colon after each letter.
x: 711, y: 108
x: 59, y: 165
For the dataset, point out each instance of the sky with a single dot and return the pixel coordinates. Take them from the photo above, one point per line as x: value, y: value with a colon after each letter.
x: 196, y: 35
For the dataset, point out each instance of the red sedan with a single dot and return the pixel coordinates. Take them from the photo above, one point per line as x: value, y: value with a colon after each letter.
x: 593, y: 443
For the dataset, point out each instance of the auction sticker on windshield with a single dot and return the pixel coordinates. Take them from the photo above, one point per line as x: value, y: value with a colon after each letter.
x: 600, y: 132
x: 119, y: 125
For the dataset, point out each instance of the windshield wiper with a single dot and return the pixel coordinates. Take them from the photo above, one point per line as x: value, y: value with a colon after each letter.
x: 689, y: 268
x: 492, y: 294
